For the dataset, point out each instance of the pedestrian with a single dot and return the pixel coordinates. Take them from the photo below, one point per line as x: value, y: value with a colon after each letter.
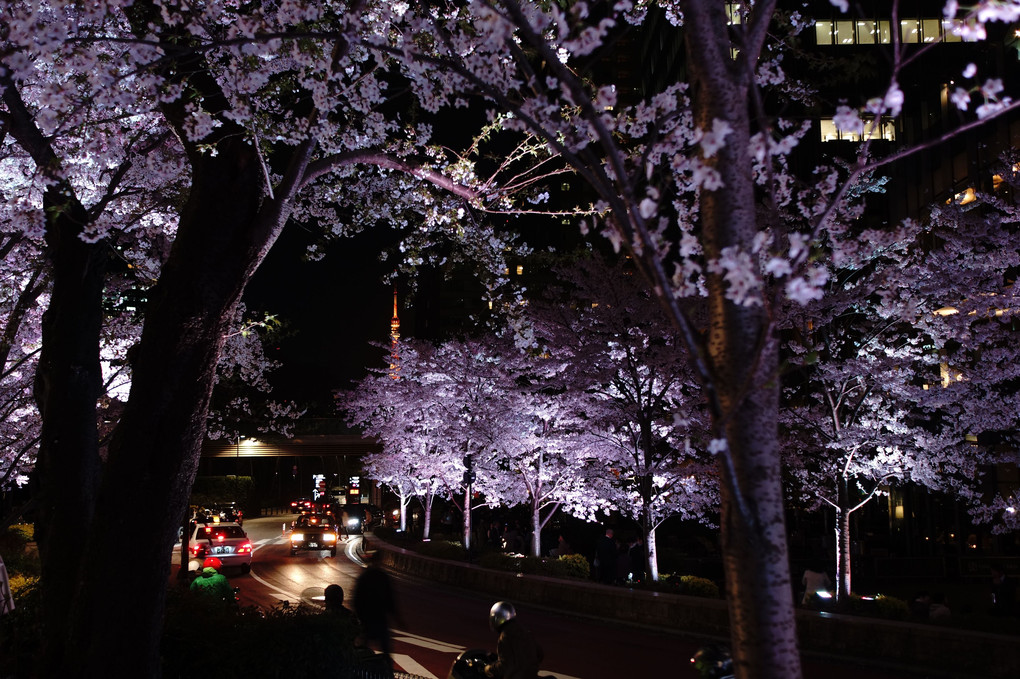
x: 605, y: 557
x: 814, y: 582
x: 375, y: 606
x: 211, y: 583
x: 1003, y: 593
x: 517, y: 654
x: 638, y: 559
x: 333, y: 599
x: 6, y: 597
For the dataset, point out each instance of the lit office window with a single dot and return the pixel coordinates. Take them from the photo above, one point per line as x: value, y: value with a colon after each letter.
x: 885, y: 130
x: 520, y: 269
x: 870, y: 32
x: 845, y: 33
x: 867, y: 32
x: 910, y: 30
x: 823, y: 32
x: 732, y: 13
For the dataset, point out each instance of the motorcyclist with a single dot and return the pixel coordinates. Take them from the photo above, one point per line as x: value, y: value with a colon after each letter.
x: 210, y: 582
x: 517, y: 654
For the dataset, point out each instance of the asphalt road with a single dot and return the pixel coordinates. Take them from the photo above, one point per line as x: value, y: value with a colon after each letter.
x: 439, y: 622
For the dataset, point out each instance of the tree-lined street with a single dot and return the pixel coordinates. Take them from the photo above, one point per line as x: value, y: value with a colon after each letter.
x: 791, y: 317
x: 442, y: 622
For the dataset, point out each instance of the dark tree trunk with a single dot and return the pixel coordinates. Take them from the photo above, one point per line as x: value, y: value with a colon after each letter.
x: 226, y: 230
x: 744, y: 363
x: 68, y: 385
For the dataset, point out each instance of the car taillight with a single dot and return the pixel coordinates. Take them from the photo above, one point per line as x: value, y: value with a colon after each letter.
x: 244, y: 548
x: 329, y: 537
x: 196, y: 550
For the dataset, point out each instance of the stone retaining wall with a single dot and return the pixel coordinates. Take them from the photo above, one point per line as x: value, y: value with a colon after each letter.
x: 941, y: 651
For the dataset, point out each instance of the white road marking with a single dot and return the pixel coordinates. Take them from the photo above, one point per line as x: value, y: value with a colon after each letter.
x: 284, y: 595
x: 412, y: 666
x: 425, y: 642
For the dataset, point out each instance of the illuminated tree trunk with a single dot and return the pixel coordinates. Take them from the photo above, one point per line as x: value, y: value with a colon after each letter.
x: 653, y: 556
x: 744, y: 364
x: 843, y: 586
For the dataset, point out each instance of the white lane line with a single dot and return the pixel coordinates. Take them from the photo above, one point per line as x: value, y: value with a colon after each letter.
x: 425, y: 642
x: 286, y: 595
x: 412, y: 666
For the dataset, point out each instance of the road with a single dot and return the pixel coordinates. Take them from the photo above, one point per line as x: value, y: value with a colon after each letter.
x: 439, y: 622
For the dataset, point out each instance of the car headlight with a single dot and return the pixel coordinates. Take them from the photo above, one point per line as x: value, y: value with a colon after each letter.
x: 329, y: 537
x: 352, y: 522
x: 297, y: 537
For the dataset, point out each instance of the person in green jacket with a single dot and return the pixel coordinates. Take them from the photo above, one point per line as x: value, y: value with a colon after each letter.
x: 210, y: 582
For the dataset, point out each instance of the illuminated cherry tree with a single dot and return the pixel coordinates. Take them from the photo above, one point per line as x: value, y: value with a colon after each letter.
x: 400, y: 408
x: 677, y: 179
x: 206, y: 127
x: 146, y: 128
x: 903, y: 363
x: 629, y: 375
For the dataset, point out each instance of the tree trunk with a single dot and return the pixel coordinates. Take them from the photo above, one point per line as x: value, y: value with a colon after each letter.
x: 744, y: 364
x: 843, y: 543
x: 536, y: 528
x: 427, y: 528
x: 68, y: 384
x: 225, y: 231
x: 467, y: 517
x: 651, y: 549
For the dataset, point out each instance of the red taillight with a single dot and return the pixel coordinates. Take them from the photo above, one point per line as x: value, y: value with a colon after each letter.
x: 244, y: 548
x: 196, y: 550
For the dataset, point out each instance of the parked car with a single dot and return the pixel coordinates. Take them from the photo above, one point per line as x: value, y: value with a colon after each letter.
x: 314, y: 532
x: 226, y: 541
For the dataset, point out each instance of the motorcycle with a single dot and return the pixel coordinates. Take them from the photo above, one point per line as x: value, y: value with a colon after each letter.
x: 471, y: 664
x: 713, y: 662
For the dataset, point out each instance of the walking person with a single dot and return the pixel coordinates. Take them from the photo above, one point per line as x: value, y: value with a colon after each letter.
x: 376, y: 606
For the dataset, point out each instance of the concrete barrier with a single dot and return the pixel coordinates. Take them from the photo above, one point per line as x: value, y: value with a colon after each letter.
x: 937, y: 651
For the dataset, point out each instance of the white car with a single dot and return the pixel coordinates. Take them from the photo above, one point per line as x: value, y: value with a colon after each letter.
x: 226, y: 541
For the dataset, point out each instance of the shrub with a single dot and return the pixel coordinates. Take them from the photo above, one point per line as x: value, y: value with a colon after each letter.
x: 690, y: 585
x: 881, y: 606
x: 14, y: 550
x: 498, y: 561
x: 441, y: 549
x: 20, y: 630
x: 576, y: 566
x: 284, y: 641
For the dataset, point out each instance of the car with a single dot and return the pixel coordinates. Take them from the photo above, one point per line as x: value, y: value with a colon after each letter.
x: 227, y: 511
x: 314, y: 532
x: 301, y: 505
x: 226, y: 541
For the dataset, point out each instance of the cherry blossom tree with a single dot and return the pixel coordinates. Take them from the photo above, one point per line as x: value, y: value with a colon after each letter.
x: 888, y: 378
x: 629, y: 376
x: 210, y: 125
x: 399, y: 408
x: 540, y: 442
x: 677, y: 179
x: 172, y: 127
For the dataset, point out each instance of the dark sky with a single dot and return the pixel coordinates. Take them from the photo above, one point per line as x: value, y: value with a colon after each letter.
x: 331, y: 309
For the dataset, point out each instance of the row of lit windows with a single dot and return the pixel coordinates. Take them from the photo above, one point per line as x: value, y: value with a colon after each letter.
x: 865, y: 32
x: 884, y: 130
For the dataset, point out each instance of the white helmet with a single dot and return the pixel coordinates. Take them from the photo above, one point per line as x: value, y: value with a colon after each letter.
x: 500, y: 613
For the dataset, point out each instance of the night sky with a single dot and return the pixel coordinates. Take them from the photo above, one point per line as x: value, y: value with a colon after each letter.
x: 331, y: 309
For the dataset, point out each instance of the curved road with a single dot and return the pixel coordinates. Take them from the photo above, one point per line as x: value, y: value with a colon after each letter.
x: 439, y: 622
